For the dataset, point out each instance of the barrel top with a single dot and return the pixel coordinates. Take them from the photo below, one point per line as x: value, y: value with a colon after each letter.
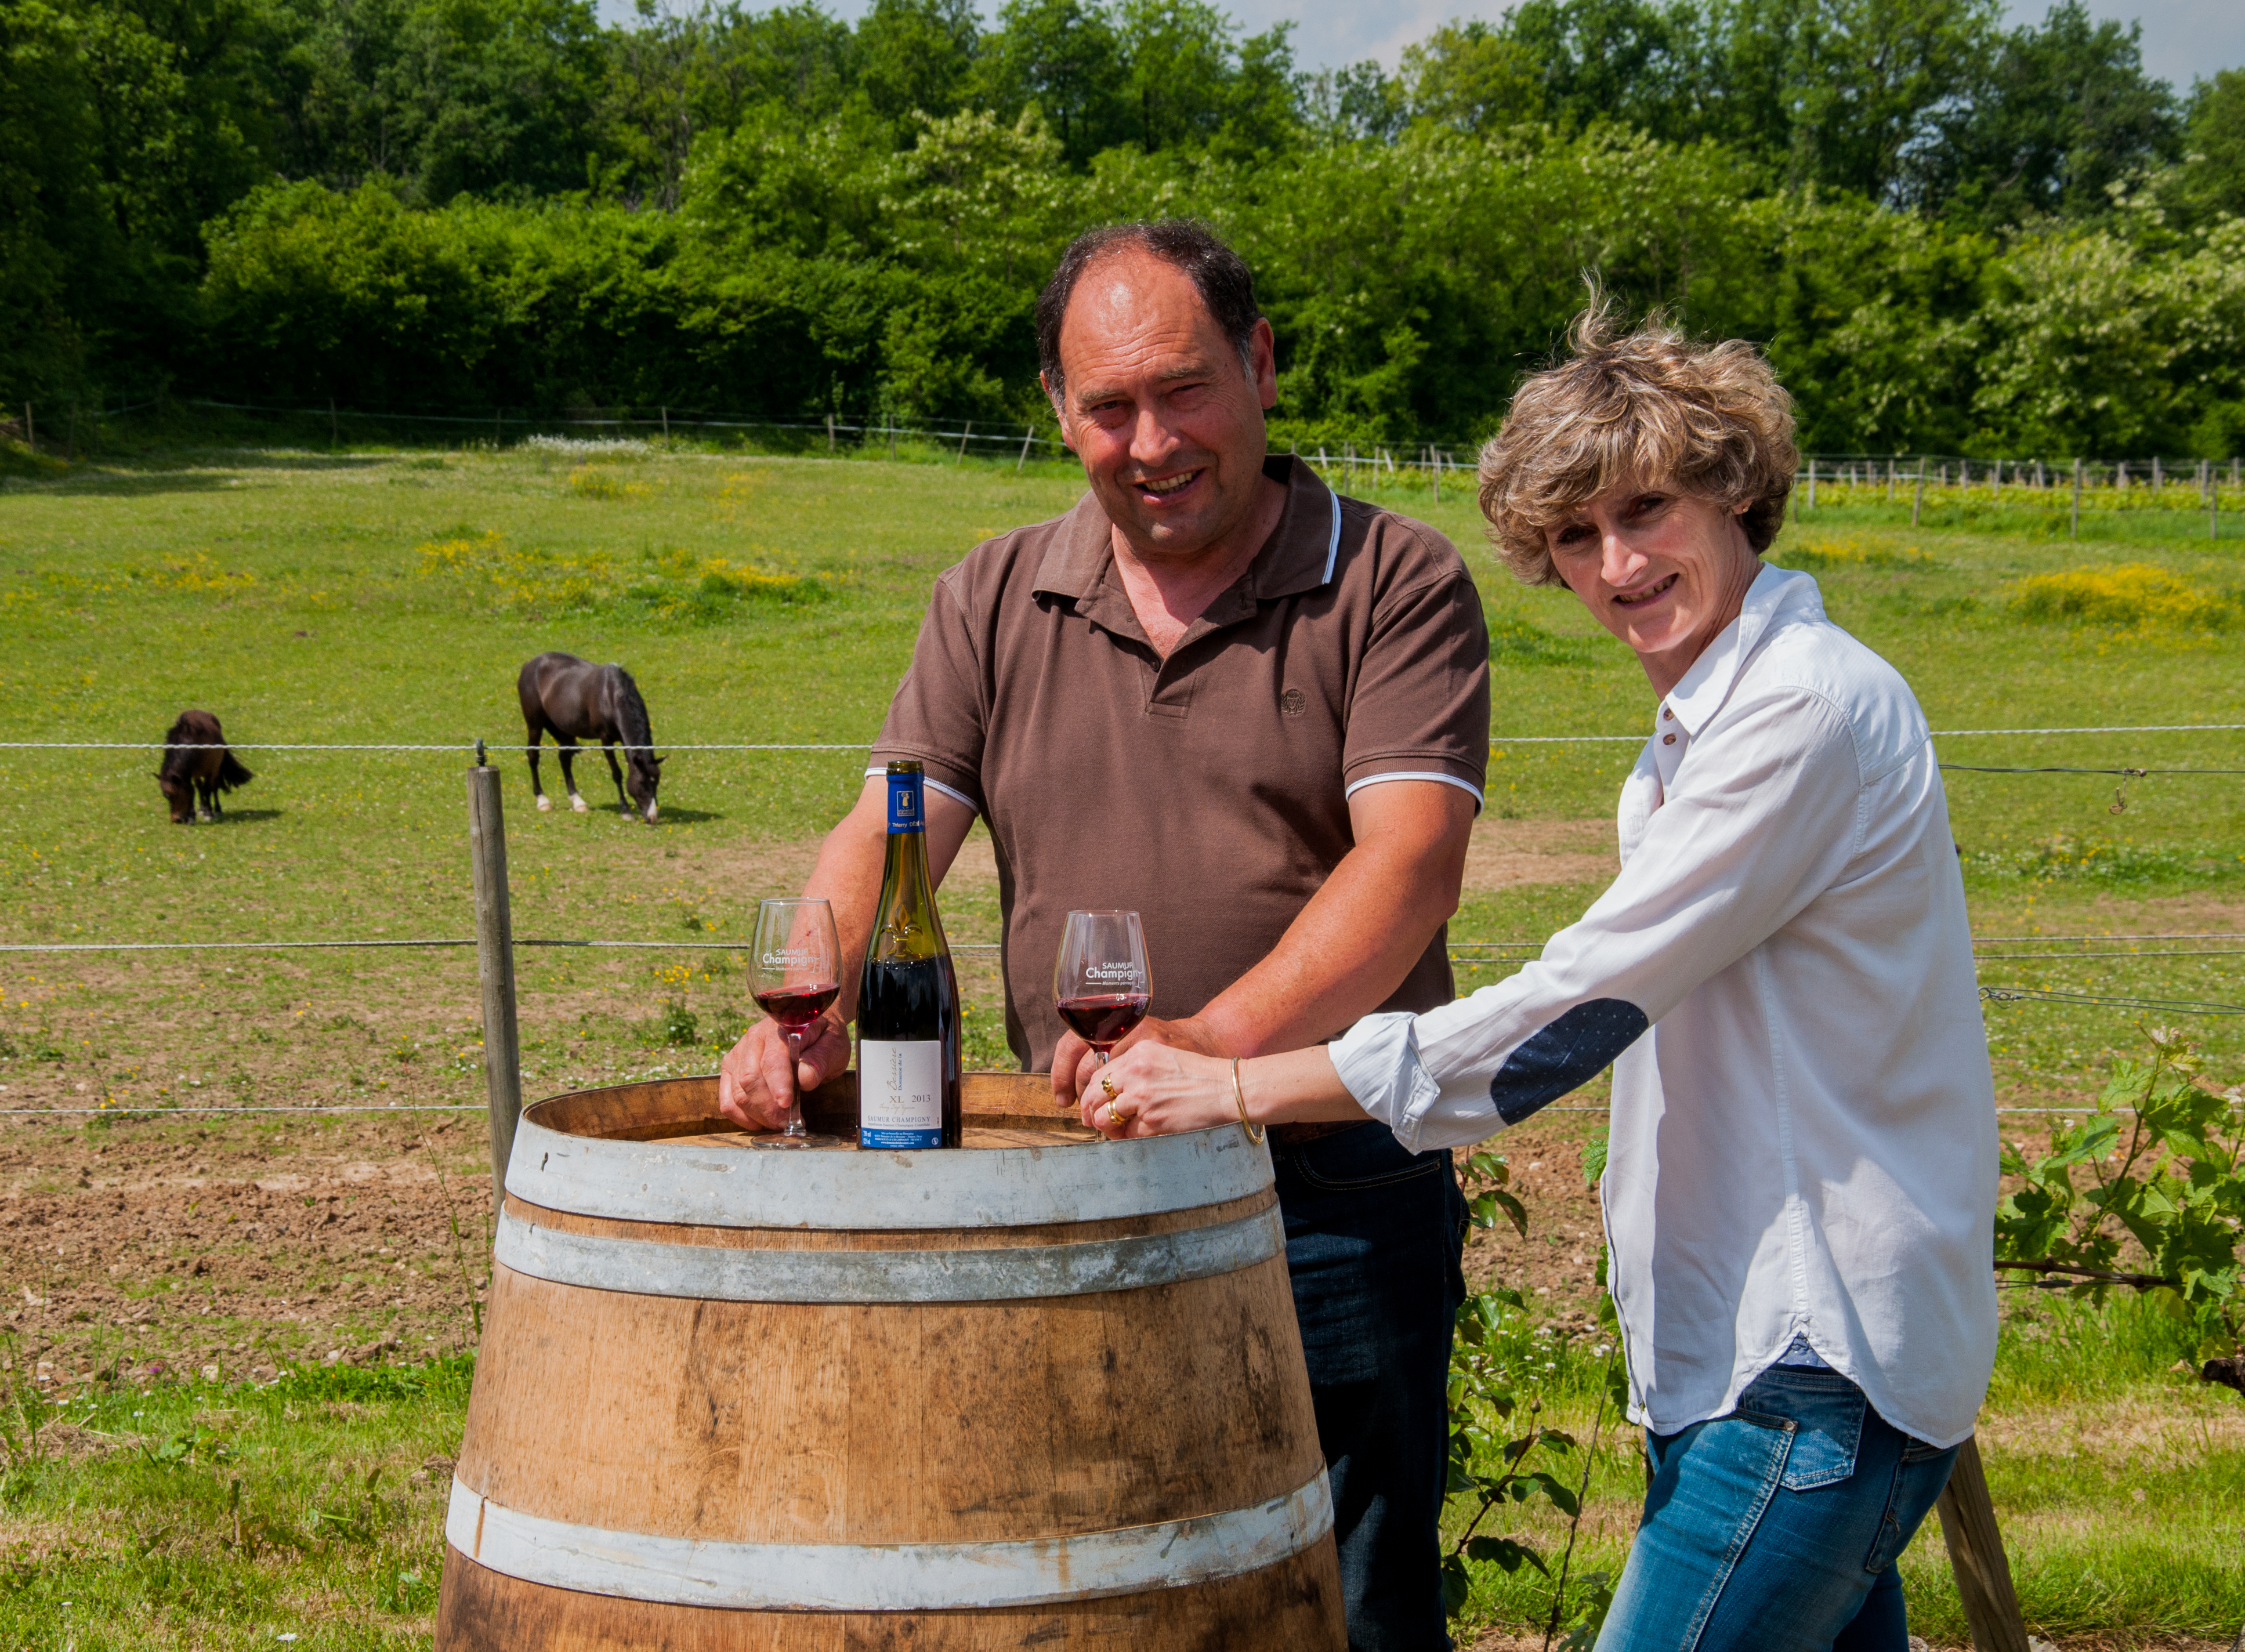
x: 686, y: 1175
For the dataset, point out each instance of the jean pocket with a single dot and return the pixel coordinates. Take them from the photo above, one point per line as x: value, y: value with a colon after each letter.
x: 1368, y: 1156
x: 1825, y: 1411
x: 1920, y: 1473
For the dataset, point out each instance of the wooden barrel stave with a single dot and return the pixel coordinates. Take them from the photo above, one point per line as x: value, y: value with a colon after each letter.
x: 1035, y: 1423
x: 1294, y: 1604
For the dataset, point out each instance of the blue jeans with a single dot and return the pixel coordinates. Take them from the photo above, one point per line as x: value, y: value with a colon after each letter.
x: 1375, y: 1236
x: 1776, y: 1528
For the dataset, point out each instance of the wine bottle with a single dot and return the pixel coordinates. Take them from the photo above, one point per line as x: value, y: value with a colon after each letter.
x: 908, y: 1002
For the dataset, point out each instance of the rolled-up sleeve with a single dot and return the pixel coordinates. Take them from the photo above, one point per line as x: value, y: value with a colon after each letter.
x: 1763, y: 815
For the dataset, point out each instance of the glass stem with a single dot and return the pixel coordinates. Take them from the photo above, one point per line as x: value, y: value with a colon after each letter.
x: 795, y: 1124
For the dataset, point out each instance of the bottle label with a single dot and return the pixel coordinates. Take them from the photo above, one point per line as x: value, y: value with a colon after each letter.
x: 899, y: 1093
x: 906, y: 813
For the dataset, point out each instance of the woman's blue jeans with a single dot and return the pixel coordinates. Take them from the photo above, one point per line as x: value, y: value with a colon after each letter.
x: 1776, y: 1528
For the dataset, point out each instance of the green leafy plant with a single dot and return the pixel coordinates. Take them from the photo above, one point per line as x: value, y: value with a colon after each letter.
x: 1482, y: 1401
x: 2158, y: 1161
x: 1486, y: 1177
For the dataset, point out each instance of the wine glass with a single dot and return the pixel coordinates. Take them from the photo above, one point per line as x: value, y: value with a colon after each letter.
x: 794, y: 976
x: 1100, y: 984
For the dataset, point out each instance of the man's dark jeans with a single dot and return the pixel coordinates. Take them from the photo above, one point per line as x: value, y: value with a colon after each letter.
x: 1374, y: 1239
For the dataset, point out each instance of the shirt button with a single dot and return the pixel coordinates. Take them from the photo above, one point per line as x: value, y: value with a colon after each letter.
x: 1667, y: 716
x: 1668, y: 740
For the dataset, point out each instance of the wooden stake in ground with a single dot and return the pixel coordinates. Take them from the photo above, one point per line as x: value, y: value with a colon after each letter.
x: 1029, y: 435
x: 1976, y: 1552
x: 1917, y: 502
x: 2077, y: 498
x: 495, y: 968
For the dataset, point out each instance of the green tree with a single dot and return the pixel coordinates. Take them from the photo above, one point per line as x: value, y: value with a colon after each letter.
x: 917, y: 56
x: 2063, y: 114
x: 52, y: 226
x: 2096, y: 344
x: 2212, y: 177
x: 448, y: 97
x: 1177, y: 71
x: 1066, y: 58
x: 1471, y: 77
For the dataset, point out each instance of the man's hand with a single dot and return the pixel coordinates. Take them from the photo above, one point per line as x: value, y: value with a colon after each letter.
x: 752, y: 1087
x: 1076, y: 1063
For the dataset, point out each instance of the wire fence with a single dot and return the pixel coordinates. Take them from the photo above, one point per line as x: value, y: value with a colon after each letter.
x: 482, y: 747
x: 1959, y: 484
x: 1989, y: 949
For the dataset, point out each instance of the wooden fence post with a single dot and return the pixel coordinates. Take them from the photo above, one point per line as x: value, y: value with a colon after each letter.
x: 664, y: 408
x: 1917, y: 502
x: 1435, y: 470
x: 1029, y: 434
x: 31, y: 429
x: 1976, y: 1554
x: 2077, y: 498
x: 495, y: 967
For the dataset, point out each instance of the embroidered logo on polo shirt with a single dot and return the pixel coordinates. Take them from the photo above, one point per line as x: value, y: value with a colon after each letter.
x: 1294, y: 703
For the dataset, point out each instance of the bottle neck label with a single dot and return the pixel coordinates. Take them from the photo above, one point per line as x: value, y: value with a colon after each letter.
x: 906, y: 805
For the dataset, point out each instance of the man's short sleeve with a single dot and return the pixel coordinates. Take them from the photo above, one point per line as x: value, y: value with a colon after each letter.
x: 1420, y: 709
x: 940, y: 714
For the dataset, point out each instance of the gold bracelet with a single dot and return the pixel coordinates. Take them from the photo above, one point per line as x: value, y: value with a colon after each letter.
x: 1255, y: 1131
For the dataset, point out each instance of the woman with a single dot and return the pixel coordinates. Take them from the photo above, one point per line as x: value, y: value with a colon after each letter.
x: 1801, y: 1171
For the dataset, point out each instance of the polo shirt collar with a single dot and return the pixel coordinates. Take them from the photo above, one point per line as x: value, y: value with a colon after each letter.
x: 1776, y: 592
x: 1299, y: 555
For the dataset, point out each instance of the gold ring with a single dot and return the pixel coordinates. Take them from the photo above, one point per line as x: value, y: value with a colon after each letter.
x: 1113, y: 1117
x: 1111, y: 1091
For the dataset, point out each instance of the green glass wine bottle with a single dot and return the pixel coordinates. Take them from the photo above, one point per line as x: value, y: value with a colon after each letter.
x: 908, y: 1047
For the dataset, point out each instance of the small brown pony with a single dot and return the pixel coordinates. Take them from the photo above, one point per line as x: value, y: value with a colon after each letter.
x: 197, y: 768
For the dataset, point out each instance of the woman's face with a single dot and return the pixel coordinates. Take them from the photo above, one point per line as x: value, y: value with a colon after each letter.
x: 1663, y: 572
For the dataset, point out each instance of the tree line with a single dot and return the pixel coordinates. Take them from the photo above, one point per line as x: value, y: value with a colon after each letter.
x: 1951, y: 235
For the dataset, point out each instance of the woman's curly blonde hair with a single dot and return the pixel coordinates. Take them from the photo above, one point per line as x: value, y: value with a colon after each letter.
x: 1650, y: 406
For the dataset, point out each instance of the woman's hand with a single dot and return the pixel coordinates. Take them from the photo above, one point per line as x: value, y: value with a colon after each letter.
x: 1152, y: 1089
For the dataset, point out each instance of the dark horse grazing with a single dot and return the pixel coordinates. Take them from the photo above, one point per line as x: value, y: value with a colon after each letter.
x: 191, y: 775
x: 576, y: 700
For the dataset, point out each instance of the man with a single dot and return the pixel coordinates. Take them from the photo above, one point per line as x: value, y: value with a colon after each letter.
x: 1256, y: 713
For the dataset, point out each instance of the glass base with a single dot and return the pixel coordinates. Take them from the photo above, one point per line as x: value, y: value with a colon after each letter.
x: 777, y: 1143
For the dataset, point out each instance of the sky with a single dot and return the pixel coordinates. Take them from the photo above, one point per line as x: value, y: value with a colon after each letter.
x: 2183, y: 39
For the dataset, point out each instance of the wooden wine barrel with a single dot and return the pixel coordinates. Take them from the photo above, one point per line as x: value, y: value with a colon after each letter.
x: 1047, y: 1391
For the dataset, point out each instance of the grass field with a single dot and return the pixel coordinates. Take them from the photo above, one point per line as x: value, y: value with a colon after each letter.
x: 391, y: 596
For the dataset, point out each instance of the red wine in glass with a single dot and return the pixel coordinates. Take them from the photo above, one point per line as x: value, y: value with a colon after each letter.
x: 1100, y: 984
x: 795, y: 1007
x: 794, y: 975
x: 1103, y: 1019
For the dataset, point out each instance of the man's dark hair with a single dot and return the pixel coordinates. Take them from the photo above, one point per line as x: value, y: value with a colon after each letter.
x: 1219, y: 275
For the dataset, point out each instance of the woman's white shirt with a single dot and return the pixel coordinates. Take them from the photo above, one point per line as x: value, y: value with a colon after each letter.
x: 1804, y: 1140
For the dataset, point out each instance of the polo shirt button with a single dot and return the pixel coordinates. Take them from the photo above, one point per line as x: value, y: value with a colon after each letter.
x: 1667, y: 716
x: 1668, y: 740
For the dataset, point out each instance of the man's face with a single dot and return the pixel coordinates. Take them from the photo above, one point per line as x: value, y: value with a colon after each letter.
x: 1167, y: 419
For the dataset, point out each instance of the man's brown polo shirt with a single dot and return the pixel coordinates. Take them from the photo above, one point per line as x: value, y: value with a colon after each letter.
x: 1208, y: 792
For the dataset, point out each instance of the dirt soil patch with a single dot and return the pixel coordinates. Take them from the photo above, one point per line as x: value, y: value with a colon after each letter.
x: 146, y: 1252
x: 1504, y: 853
